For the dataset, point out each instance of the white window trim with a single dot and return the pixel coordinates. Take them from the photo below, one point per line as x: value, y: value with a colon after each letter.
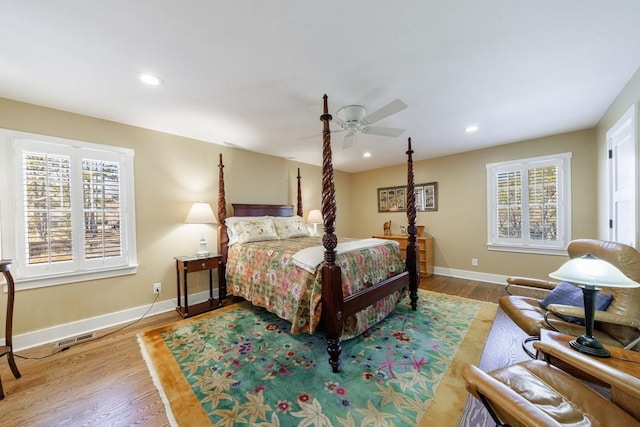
x: 11, y: 198
x: 564, y: 199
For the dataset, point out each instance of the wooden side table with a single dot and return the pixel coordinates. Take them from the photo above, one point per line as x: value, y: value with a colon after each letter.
x: 193, y: 263
x: 7, y: 349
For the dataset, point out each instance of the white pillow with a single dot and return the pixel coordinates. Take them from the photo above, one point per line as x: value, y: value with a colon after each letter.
x: 229, y: 222
x: 290, y: 226
x: 254, y: 230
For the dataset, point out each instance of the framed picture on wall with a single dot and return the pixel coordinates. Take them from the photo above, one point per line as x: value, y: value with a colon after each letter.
x: 430, y: 196
x: 394, y: 199
x: 418, y: 194
x: 382, y: 201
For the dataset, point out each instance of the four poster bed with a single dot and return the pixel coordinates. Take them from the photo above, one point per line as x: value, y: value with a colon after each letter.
x: 345, y: 287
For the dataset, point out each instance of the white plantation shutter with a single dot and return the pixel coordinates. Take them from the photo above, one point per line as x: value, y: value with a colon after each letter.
x: 47, y: 208
x: 509, y: 205
x: 543, y: 203
x: 74, y: 218
x: 101, y: 196
x: 529, y: 204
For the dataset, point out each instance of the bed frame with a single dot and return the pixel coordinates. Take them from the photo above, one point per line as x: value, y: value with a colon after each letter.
x: 335, y: 307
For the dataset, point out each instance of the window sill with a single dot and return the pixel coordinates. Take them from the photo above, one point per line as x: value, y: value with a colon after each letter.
x: 540, y: 250
x: 41, y: 282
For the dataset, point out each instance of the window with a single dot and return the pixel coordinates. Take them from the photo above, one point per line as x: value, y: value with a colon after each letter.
x: 529, y: 206
x: 69, y: 212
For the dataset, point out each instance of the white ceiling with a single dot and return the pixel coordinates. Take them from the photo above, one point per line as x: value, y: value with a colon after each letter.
x: 252, y: 73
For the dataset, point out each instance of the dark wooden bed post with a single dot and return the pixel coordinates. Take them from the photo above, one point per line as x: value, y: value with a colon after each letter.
x: 412, y: 248
x: 332, y: 296
x: 223, y: 238
x: 299, y: 212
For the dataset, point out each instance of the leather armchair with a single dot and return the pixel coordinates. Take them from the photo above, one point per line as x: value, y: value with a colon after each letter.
x: 619, y: 325
x: 536, y: 393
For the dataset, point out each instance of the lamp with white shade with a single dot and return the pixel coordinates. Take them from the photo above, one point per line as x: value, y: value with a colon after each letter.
x: 201, y: 213
x: 315, y: 218
x: 591, y: 274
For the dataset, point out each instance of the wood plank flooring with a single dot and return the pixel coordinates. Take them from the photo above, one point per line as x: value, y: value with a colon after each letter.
x: 105, y: 382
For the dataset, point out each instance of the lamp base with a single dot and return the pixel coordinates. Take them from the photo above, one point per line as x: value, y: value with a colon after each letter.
x: 202, y: 247
x: 589, y: 345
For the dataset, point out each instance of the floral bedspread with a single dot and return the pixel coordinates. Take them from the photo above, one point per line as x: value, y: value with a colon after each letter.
x: 264, y: 274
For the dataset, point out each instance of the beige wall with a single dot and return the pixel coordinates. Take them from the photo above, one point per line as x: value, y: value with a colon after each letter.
x: 628, y: 96
x: 459, y: 227
x: 170, y: 173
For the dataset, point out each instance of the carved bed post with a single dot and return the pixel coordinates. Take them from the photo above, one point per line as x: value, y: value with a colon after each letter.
x: 412, y: 248
x: 223, y: 238
x: 299, y: 212
x: 332, y: 297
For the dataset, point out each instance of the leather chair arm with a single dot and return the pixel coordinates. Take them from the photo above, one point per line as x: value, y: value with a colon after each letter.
x: 600, y: 316
x: 528, y: 283
x: 592, y: 366
x: 503, y: 399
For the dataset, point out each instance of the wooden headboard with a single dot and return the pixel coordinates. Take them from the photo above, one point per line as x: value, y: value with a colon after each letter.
x: 243, y: 209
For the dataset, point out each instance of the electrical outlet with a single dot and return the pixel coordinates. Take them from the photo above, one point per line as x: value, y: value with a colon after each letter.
x: 474, y: 262
x: 157, y: 288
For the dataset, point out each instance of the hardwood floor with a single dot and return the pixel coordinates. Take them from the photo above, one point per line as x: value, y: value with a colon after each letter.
x: 105, y: 382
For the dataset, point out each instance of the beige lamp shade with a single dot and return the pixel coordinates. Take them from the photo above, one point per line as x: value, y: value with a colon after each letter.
x: 201, y: 213
x: 592, y: 271
x: 315, y: 218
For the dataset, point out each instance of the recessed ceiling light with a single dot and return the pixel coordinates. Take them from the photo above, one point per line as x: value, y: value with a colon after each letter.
x: 366, y: 154
x: 149, y: 79
x: 471, y: 129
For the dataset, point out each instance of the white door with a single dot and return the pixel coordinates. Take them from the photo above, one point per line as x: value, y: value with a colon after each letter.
x: 622, y: 145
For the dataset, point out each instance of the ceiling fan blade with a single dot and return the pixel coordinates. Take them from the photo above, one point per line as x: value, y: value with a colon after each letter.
x: 384, y: 112
x: 348, y: 140
x: 375, y: 130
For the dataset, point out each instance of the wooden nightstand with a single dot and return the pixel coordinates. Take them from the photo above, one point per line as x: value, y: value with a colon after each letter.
x: 425, y: 251
x: 193, y: 263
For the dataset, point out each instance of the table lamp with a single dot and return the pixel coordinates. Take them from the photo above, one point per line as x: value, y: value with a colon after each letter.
x: 591, y: 274
x: 201, y: 213
x: 315, y: 218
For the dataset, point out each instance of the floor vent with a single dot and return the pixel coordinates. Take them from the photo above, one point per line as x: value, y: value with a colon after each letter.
x: 75, y: 340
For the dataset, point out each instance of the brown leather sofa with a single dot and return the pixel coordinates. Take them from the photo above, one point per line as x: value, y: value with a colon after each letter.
x: 619, y: 325
x: 536, y: 393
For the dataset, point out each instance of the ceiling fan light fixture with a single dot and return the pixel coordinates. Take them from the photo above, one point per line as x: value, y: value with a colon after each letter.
x: 352, y: 113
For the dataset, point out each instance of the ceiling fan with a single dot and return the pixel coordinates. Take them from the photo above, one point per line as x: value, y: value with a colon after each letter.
x: 354, y: 118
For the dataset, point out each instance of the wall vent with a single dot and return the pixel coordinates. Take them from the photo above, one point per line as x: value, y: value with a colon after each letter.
x: 75, y: 340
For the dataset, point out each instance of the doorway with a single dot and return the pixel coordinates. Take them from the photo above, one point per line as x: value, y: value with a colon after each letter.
x: 622, y: 146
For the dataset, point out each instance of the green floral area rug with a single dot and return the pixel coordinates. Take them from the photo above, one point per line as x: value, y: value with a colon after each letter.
x: 239, y: 365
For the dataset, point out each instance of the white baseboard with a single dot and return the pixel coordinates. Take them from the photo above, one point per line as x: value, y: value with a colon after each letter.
x: 80, y: 327
x: 471, y: 275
